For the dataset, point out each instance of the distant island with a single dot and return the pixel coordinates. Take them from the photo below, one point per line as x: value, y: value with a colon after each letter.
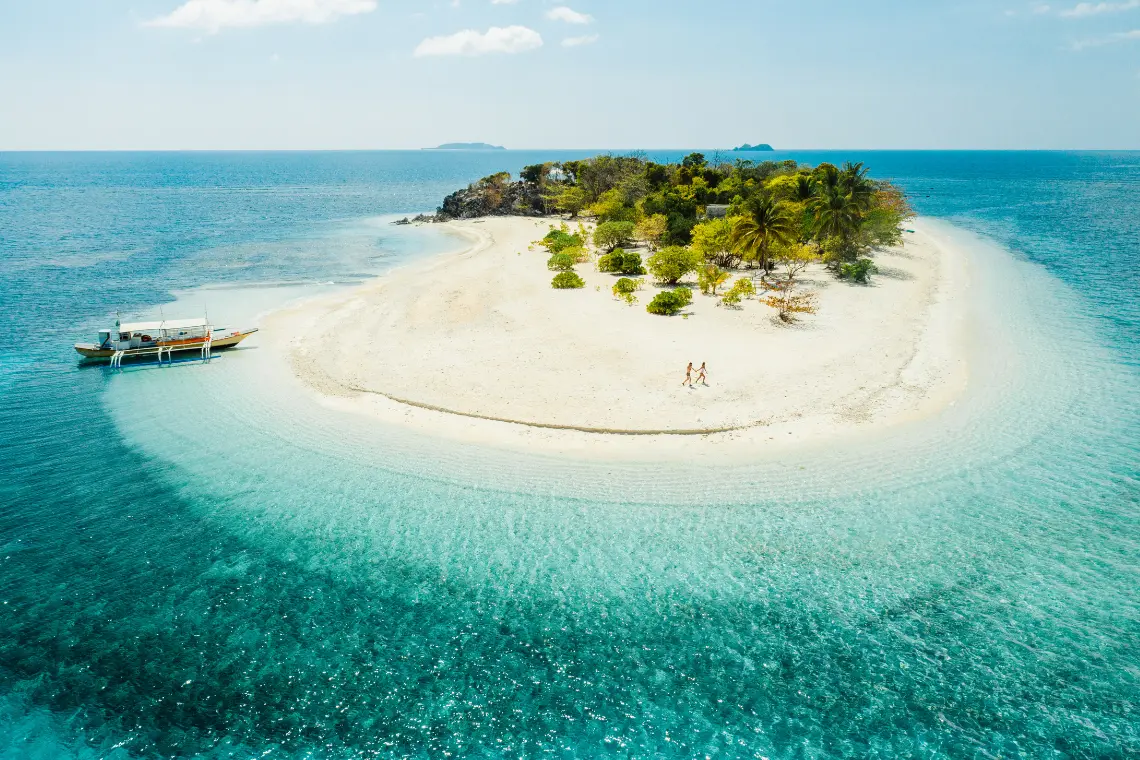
x: 761, y: 146
x: 467, y: 146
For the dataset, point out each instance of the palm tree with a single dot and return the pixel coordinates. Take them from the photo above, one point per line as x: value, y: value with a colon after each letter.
x: 825, y: 177
x: 837, y: 215
x: 854, y: 182
x: 803, y: 190
x: 768, y: 222
x: 833, y: 212
x: 840, y: 198
x: 802, y: 194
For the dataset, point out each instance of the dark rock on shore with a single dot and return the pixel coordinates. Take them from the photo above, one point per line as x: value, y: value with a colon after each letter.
x: 496, y: 195
x: 417, y: 219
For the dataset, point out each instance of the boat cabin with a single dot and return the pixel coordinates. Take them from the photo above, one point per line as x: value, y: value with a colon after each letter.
x: 129, y: 335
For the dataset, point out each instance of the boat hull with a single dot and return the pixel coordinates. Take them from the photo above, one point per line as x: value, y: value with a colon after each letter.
x: 93, y: 352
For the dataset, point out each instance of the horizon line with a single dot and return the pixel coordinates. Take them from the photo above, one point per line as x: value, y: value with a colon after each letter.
x: 567, y: 150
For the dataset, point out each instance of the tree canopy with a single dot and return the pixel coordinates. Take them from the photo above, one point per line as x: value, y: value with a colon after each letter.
x: 840, y: 208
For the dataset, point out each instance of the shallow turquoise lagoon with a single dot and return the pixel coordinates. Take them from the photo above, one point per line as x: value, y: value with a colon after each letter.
x: 193, y: 563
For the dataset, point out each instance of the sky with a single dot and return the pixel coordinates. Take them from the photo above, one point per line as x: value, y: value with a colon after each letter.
x: 606, y: 74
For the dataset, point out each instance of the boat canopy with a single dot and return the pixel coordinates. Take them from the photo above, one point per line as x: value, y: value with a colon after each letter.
x: 166, y: 324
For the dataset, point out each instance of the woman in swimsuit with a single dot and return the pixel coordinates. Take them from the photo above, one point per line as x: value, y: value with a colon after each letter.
x: 688, y: 376
x: 702, y: 374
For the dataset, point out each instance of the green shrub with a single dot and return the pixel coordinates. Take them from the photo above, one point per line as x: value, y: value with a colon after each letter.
x: 626, y: 285
x: 567, y: 280
x: 670, y: 302
x: 741, y: 289
x: 557, y: 241
x: 859, y: 270
x: 631, y: 264
x: 620, y: 262
x: 672, y: 263
x: 611, y: 235
x: 625, y: 289
x: 560, y: 262
x: 664, y: 303
x: 578, y: 253
x: 610, y: 262
x: 745, y: 287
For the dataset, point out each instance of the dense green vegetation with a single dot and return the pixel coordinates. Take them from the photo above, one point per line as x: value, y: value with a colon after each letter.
x: 670, y: 302
x: 741, y: 289
x: 613, y: 234
x: 673, y: 262
x: 841, y: 210
x: 626, y: 288
x: 567, y: 281
x: 709, y: 219
x: 859, y: 270
x: 620, y: 261
x: 558, y: 240
x: 560, y: 262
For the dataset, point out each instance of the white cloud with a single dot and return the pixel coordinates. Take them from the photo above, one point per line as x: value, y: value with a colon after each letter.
x: 587, y: 39
x: 562, y: 13
x: 1095, y: 9
x: 503, y: 2
x: 1109, y: 39
x: 510, y: 39
x: 214, y: 15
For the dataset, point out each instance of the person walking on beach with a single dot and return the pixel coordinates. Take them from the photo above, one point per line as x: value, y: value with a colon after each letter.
x: 702, y: 374
x: 688, y: 376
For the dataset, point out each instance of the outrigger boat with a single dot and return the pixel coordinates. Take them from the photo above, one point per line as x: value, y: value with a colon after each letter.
x: 130, y: 340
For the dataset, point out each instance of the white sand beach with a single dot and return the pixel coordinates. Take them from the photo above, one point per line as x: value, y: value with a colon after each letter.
x: 476, y: 346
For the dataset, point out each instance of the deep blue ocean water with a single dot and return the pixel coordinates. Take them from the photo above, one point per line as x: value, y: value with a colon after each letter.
x: 988, y: 610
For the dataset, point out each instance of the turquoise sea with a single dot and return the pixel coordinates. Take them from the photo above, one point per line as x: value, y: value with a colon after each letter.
x: 194, y: 562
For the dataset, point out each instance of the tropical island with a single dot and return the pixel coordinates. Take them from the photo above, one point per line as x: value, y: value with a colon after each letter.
x: 746, y: 147
x: 467, y: 146
x: 583, y: 288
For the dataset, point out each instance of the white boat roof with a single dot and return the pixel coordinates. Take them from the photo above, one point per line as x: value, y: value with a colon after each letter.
x: 166, y: 324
